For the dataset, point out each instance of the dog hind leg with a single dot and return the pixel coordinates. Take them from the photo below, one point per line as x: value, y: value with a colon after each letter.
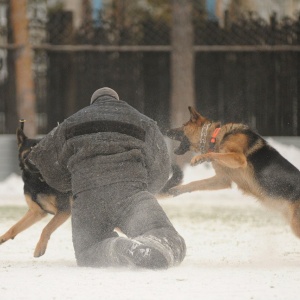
x: 54, y: 223
x: 295, y: 219
x: 31, y: 217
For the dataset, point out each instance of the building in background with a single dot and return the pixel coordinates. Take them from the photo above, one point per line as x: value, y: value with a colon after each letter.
x: 94, y: 42
x: 263, y: 8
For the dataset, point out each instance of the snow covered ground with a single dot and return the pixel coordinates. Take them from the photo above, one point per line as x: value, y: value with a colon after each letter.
x: 237, y: 249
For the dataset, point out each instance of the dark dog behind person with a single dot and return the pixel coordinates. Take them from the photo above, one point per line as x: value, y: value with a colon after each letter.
x: 113, y: 159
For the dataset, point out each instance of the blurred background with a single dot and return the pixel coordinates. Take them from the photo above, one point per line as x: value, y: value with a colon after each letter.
x: 234, y: 60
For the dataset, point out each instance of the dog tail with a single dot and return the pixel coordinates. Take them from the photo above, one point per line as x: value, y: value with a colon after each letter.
x: 176, y: 179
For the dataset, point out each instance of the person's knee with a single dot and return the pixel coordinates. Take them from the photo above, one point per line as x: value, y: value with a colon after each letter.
x: 94, y: 252
x: 84, y: 259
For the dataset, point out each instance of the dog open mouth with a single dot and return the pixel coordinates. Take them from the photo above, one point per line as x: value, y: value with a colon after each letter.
x: 178, y: 135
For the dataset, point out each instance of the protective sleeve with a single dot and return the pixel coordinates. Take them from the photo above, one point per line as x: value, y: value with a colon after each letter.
x: 49, y: 156
x: 158, y: 161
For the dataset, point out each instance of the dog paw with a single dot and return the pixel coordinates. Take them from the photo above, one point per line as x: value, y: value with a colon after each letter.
x: 40, y: 250
x: 199, y: 160
x: 174, y: 192
x: 3, y: 239
x: 39, y: 253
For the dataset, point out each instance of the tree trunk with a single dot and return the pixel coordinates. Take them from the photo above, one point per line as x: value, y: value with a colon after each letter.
x: 26, y: 106
x: 182, y: 62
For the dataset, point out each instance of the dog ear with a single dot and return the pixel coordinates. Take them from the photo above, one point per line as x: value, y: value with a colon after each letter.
x: 21, y: 137
x: 195, y: 116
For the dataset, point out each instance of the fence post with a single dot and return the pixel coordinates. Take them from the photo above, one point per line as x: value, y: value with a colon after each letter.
x: 297, y: 102
x: 226, y: 20
x: 182, y: 65
x: 182, y: 62
x: 26, y: 106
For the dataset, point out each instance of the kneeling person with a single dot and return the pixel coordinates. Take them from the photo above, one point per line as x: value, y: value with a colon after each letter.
x: 113, y: 159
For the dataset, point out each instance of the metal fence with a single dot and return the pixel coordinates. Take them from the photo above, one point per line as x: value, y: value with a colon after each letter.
x: 245, y: 71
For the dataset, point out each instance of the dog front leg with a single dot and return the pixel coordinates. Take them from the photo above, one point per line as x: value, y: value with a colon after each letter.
x: 213, y: 183
x: 54, y: 223
x: 31, y: 217
x: 231, y: 160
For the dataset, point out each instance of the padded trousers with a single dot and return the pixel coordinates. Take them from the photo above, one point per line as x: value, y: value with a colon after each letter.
x: 151, y: 240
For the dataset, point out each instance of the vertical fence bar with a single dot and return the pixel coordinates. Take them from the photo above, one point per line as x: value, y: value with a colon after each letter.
x: 182, y: 62
x: 26, y: 106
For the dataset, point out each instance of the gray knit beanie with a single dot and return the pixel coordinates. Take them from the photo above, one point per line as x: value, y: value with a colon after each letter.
x: 105, y: 91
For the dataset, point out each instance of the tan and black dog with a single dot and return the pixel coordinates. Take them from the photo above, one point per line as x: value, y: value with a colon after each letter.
x: 240, y: 155
x: 40, y: 197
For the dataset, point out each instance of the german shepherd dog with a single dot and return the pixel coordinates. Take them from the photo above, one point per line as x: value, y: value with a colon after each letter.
x: 40, y: 197
x: 241, y: 156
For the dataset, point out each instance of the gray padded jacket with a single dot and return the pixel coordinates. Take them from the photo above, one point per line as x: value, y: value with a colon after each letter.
x: 104, y: 143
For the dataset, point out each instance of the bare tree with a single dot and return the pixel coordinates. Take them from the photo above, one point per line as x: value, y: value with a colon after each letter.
x: 26, y: 103
x: 182, y: 62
